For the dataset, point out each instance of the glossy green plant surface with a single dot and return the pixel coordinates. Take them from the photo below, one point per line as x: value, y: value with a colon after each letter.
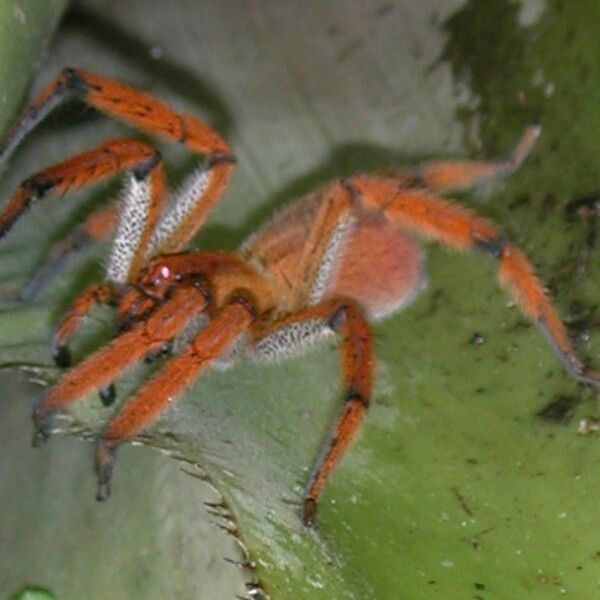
x: 33, y: 593
x: 455, y: 487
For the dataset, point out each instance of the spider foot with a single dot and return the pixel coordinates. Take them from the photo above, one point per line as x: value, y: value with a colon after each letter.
x: 107, y: 394
x: 41, y: 427
x: 105, y: 456
x: 62, y: 356
x: 309, y: 512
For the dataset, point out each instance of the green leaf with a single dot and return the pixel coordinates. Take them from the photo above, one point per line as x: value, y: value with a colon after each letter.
x: 26, y: 27
x: 455, y: 487
x: 33, y: 593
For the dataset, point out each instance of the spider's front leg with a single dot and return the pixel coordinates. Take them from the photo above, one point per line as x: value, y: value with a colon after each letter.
x: 101, y: 368
x: 140, y: 233
x: 304, y: 327
x: 138, y: 109
x: 143, y: 200
x: 120, y: 154
x: 163, y: 388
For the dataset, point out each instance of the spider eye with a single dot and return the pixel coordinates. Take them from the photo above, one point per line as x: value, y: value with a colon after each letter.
x: 158, y: 274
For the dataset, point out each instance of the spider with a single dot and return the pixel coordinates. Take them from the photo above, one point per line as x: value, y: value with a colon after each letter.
x: 331, y: 262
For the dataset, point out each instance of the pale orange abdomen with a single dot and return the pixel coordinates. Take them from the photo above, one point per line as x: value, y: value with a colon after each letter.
x: 380, y: 266
x: 376, y: 264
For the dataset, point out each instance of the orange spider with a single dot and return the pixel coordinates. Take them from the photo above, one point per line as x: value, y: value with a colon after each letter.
x: 328, y: 263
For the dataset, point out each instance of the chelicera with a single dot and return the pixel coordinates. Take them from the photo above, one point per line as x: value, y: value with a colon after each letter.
x: 331, y: 262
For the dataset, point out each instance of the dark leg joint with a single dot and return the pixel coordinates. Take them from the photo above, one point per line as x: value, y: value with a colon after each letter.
x: 125, y: 324
x: 353, y: 396
x: 492, y: 247
x: 352, y: 191
x: 143, y: 169
x: 309, y: 512
x: 183, y: 136
x: 336, y: 320
x: 38, y: 185
x: 75, y: 83
x: 416, y: 181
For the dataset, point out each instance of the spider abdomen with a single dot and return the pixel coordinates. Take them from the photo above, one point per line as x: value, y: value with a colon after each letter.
x: 326, y: 246
x: 379, y: 266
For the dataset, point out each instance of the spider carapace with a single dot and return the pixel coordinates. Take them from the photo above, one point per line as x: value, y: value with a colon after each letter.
x: 330, y: 262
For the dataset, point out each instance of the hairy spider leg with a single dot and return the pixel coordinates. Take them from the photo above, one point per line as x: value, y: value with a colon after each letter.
x: 102, y: 367
x: 115, y: 155
x: 452, y: 175
x: 112, y: 156
x: 101, y: 293
x: 187, y: 209
x: 97, y: 227
x: 163, y: 388
x: 426, y: 214
x: 302, y: 328
x: 140, y: 109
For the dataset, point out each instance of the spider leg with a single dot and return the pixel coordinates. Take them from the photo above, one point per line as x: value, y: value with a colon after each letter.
x: 159, y: 392
x: 118, y: 100
x: 141, y: 206
x: 97, y: 227
x: 458, y: 174
x: 141, y: 200
x: 88, y: 167
x: 301, y: 329
x: 426, y: 214
x: 96, y: 294
x: 102, y: 367
x: 134, y: 305
x: 142, y: 110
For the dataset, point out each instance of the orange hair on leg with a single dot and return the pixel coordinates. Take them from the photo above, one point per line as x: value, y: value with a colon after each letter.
x: 164, y: 387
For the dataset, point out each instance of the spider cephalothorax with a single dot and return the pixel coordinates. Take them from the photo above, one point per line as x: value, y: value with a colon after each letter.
x: 328, y: 263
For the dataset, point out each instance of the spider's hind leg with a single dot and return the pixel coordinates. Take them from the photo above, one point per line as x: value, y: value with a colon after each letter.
x: 450, y: 175
x: 423, y: 212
